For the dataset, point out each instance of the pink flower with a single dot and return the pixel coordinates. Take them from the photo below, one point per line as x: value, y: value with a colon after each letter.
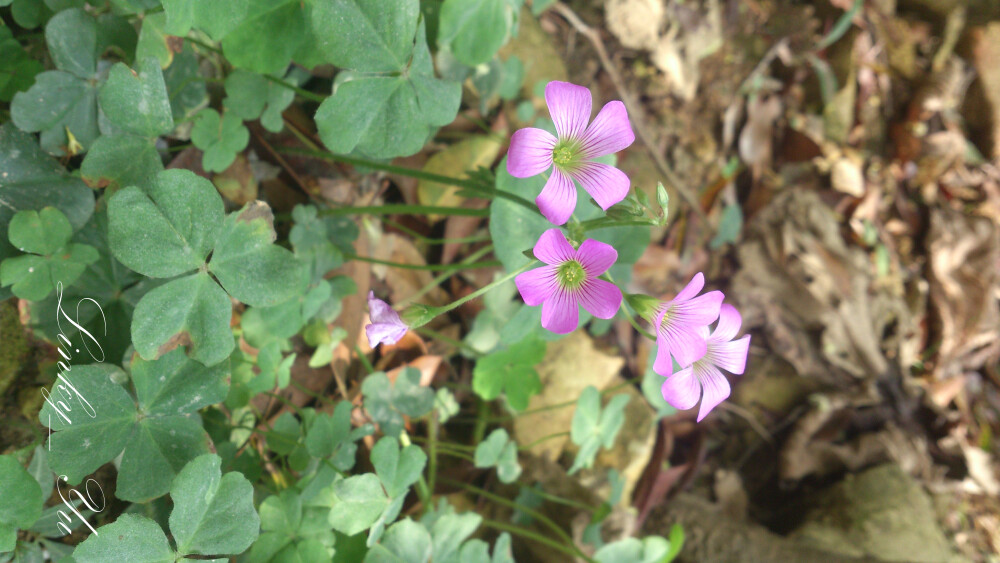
x: 533, y: 151
x: 683, y: 389
x: 568, y: 280
x: 386, y: 326
x: 679, y: 322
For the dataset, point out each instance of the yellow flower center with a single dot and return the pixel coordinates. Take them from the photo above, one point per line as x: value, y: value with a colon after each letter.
x: 571, y: 274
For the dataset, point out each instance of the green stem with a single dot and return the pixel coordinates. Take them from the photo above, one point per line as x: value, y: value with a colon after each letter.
x: 427, y: 267
x: 459, y: 302
x: 511, y: 504
x: 311, y: 393
x: 529, y: 445
x: 403, y: 208
x: 369, y: 368
x: 528, y: 534
x: 418, y: 174
x: 448, y: 340
x: 204, y: 45
x: 470, y: 259
x: 605, y: 222
x: 304, y: 93
x: 560, y: 500
x: 432, y: 434
x: 431, y: 240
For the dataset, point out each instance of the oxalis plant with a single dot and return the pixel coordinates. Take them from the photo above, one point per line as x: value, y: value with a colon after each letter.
x: 172, y: 314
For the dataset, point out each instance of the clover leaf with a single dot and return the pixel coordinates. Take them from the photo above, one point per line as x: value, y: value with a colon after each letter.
x: 374, y: 500
x: 17, y: 69
x: 137, y: 103
x: 159, y: 430
x: 251, y: 96
x: 21, y: 503
x: 63, y: 102
x: 292, y: 531
x: 388, y: 102
x: 387, y: 403
x: 499, y: 451
x: 650, y: 549
x: 593, y: 428
x: 475, y: 30
x: 213, y: 514
x: 117, y: 161
x: 53, y: 258
x: 443, y: 541
x: 510, y: 371
x: 220, y: 138
x: 169, y: 230
x: 331, y: 436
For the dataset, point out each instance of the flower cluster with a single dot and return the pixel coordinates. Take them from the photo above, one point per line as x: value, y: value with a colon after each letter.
x: 571, y: 275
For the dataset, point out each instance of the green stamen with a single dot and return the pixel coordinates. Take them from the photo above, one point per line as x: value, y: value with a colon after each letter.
x: 565, y: 154
x: 571, y: 275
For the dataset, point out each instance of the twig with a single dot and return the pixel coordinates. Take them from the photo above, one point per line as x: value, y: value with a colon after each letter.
x: 633, y: 109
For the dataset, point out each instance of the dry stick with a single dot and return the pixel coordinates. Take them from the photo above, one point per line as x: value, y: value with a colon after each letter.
x: 633, y: 109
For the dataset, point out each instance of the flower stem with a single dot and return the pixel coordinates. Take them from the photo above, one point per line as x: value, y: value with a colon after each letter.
x: 432, y: 240
x: 605, y: 222
x: 459, y: 302
x: 402, y: 208
x: 304, y: 93
x: 427, y: 267
x: 528, y: 534
x: 542, y: 439
x: 470, y: 259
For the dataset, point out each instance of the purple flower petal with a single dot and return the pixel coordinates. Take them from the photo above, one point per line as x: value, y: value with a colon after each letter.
x: 537, y: 285
x: 679, y: 341
x: 569, y: 106
x: 600, y: 298
x: 715, y: 385
x: 386, y: 326
x: 610, y: 131
x: 731, y: 356
x: 560, y: 313
x: 596, y: 257
x: 681, y: 390
x: 530, y: 152
x: 606, y: 184
x: 553, y: 248
x: 729, y: 324
x: 693, y: 288
x: 558, y: 198
x: 700, y: 311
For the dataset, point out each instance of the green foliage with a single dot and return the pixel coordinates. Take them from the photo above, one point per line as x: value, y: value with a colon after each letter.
x: 510, y: 371
x: 474, y: 30
x: 169, y: 230
x: 331, y: 436
x: 291, y: 531
x: 53, y: 258
x: 499, y: 451
x: 17, y: 69
x: 213, y: 515
x: 117, y: 161
x: 651, y: 549
x: 137, y: 103
x: 21, y: 503
x: 594, y: 428
x: 253, y: 96
x: 387, y: 403
x: 158, y: 430
x: 220, y: 137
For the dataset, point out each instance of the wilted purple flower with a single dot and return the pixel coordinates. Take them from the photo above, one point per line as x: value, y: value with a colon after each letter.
x: 569, y: 279
x: 678, y: 323
x: 386, y: 326
x: 533, y: 151
x: 683, y: 389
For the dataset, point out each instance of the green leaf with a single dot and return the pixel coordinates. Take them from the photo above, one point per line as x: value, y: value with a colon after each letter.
x: 387, y: 403
x: 474, y: 30
x: 330, y: 435
x: 71, y: 36
x: 159, y: 435
x: 510, y: 371
x: 247, y: 263
x: 267, y: 36
x: 220, y: 138
x: 404, y: 542
x: 30, y: 179
x: 253, y: 96
x: 29, y: 14
x: 153, y: 40
x: 499, y: 451
x: 40, y: 232
x: 593, y: 428
x: 190, y: 311
x: 730, y: 225
x: 213, y: 513
x: 57, y: 102
x: 17, y: 69
x: 137, y: 103
x: 167, y: 230
x: 360, y: 501
x: 651, y: 549
x: 21, y: 503
x: 388, y: 116
x: 129, y: 538
x: 33, y: 277
x: 368, y: 35
x: 188, y: 92
x: 118, y: 161
x: 397, y: 470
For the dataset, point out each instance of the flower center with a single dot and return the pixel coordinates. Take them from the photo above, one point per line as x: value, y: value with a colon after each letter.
x: 566, y: 154
x: 571, y: 274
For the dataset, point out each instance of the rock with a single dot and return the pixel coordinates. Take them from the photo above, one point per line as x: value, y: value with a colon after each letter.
x: 881, y: 513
